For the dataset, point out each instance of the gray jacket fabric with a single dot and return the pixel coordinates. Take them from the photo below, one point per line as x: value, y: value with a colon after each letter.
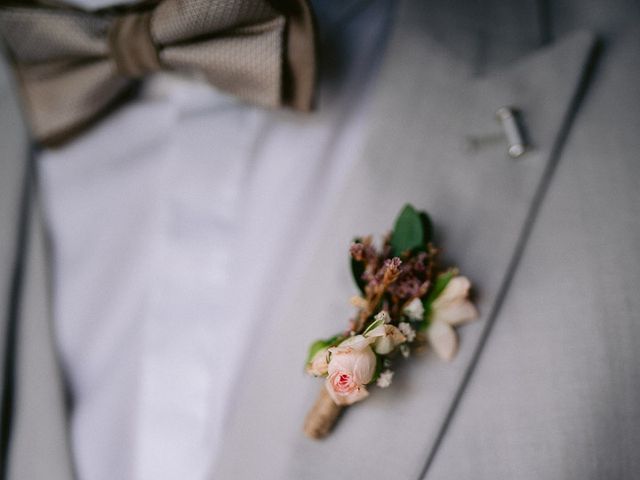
x: 547, y: 380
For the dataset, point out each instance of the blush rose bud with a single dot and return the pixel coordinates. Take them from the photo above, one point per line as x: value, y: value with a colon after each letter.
x: 386, y: 338
x: 351, y: 366
x: 318, y: 366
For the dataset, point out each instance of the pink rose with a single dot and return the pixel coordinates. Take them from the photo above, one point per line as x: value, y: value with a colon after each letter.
x: 351, y: 366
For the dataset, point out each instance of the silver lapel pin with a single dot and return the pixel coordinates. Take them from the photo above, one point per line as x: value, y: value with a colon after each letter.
x: 513, y: 132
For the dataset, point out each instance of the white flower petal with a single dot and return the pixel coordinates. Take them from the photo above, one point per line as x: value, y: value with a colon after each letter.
x: 457, y: 289
x: 379, y: 331
x: 414, y: 309
x: 456, y: 313
x: 443, y: 339
x: 357, y: 342
x: 391, y: 337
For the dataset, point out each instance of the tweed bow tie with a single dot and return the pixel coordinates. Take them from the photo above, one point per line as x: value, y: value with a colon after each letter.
x: 74, y: 65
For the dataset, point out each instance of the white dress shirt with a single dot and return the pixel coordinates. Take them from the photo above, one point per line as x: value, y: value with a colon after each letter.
x: 177, y: 224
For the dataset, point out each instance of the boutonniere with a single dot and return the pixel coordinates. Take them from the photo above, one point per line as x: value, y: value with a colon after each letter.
x: 407, y: 304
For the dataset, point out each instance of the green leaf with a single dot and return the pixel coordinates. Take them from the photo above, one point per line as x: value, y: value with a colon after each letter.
x: 439, y: 285
x: 357, y: 269
x: 408, y: 231
x: 424, y: 324
x: 322, y: 344
x: 427, y: 226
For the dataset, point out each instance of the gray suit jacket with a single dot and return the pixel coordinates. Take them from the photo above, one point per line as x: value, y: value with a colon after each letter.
x: 546, y: 382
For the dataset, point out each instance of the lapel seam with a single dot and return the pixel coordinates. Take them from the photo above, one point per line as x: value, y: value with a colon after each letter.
x: 9, y: 365
x: 584, y: 81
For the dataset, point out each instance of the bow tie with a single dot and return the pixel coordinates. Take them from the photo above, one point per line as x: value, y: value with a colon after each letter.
x: 75, y: 66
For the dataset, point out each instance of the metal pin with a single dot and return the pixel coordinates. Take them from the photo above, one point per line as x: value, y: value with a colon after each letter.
x: 512, y: 131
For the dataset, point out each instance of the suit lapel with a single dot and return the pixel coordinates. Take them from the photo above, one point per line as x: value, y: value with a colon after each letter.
x: 13, y: 166
x: 482, y: 203
x: 34, y: 427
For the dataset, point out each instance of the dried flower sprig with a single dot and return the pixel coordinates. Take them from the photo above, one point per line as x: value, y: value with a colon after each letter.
x: 406, y: 301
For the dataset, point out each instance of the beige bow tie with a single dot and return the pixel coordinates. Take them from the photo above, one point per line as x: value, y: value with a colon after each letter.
x: 74, y: 66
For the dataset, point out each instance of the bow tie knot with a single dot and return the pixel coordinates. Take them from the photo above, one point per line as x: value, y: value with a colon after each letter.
x: 74, y: 66
x: 132, y: 47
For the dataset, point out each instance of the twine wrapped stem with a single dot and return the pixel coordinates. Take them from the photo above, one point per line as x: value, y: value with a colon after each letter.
x: 322, y: 416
